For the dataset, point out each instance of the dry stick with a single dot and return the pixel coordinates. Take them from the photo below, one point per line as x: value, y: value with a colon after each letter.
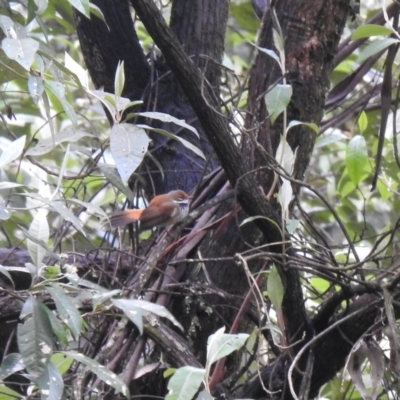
x: 218, y: 372
x: 316, y: 338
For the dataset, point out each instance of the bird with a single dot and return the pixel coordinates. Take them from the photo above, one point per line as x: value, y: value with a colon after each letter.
x: 163, y: 210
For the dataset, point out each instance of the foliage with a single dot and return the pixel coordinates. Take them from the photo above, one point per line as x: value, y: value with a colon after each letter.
x: 61, y: 166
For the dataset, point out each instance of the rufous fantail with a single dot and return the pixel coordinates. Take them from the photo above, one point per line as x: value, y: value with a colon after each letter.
x: 163, y: 210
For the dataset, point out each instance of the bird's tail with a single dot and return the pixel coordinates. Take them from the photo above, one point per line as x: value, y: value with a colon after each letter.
x: 121, y: 218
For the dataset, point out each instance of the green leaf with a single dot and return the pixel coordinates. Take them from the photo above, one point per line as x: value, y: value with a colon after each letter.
x: 34, y: 337
x: 61, y: 362
x: 8, y: 394
x: 11, y: 364
x: 135, y: 309
x: 320, y: 284
x: 13, y: 151
x: 119, y: 80
x: 82, y: 6
x: 39, y: 229
x: 51, y: 383
x: 356, y: 158
x: 36, y: 87
x: 168, y: 119
x: 362, y: 121
x: 220, y: 345
x: 368, y: 30
x: 275, y: 288
x: 45, y: 145
x: 21, y: 50
x: 128, y: 144
x: 69, y: 314
x: 310, y: 125
x: 270, y: 53
x: 374, y: 48
x: 111, y: 174
x: 101, y: 371
x: 170, y: 135
x: 58, y: 328
x: 4, y: 271
x: 329, y: 138
x: 185, y: 383
x: 277, y: 99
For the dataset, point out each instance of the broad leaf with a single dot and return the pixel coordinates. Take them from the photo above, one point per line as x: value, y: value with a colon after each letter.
x: 51, y: 383
x: 34, y: 337
x: 101, y: 371
x: 368, y: 30
x: 13, y: 151
x: 21, y: 50
x: 135, y: 309
x: 69, y: 314
x: 39, y: 229
x: 185, y: 383
x: 275, y: 288
x: 67, y: 135
x: 169, y: 119
x: 356, y: 159
x: 374, y: 48
x: 222, y: 344
x: 11, y: 363
x: 277, y: 99
x: 128, y: 144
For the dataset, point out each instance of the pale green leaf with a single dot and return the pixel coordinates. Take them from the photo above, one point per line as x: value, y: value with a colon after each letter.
x: 362, y: 121
x: 131, y: 307
x: 66, y: 308
x: 220, y: 345
x: 185, y: 383
x: 169, y: 119
x: 21, y: 50
x: 13, y: 151
x: 11, y: 364
x: 50, y: 383
x: 368, y: 30
x: 128, y: 144
x: 275, y: 288
x: 39, y: 229
x: 82, y: 6
x: 356, y: 159
x: 109, y: 377
x: 374, y: 48
x: 119, y: 81
x: 277, y: 99
x: 34, y: 337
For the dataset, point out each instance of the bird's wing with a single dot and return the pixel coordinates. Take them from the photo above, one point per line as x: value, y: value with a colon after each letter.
x: 153, y: 217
